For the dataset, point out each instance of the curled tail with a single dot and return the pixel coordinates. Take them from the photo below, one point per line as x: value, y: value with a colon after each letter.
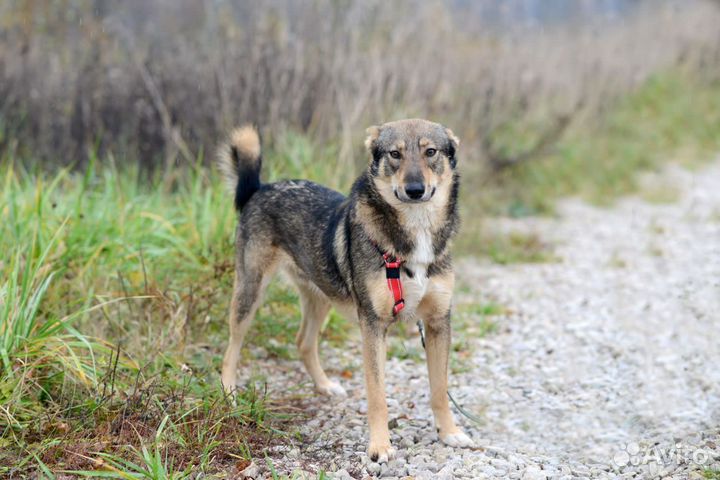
x: 239, y: 160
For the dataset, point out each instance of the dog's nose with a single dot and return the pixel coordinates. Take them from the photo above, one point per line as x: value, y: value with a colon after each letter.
x: 415, y: 190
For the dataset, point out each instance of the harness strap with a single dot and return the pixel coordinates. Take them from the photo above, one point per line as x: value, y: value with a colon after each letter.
x: 392, y: 273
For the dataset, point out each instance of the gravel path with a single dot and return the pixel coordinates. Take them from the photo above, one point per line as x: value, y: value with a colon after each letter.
x: 606, y: 365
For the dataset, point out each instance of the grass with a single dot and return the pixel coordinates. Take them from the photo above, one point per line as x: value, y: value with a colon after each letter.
x: 40, y: 357
x: 660, y: 194
x: 672, y: 117
x: 711, y: 474
x: 476, y: 320
x: 470, y: 322
x: 505, y: 248
x: 147, y: 268
x: 114, y: 293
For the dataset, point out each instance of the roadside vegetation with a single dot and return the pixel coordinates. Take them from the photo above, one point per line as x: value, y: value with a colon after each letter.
x: 673, y: 118
x: 138, y: 272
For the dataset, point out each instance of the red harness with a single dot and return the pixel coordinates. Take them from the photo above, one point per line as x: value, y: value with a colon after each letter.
x: 392, y: 273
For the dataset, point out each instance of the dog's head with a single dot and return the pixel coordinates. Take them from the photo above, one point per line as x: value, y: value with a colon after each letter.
x: 411, y: 160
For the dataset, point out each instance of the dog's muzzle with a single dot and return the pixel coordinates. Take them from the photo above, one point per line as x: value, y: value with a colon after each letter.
x: 414, y: 192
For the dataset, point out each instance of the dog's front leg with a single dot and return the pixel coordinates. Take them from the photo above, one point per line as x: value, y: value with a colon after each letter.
x: 435, y: 312
x: 437, y: 347
x: 374, y: 351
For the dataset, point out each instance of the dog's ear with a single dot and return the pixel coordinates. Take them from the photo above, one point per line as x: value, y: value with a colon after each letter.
x: 372, y: 147
x: 373, y: 134
x: 453, y: 144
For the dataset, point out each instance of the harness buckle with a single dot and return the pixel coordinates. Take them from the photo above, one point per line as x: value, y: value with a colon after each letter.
x: 391, y: 263
x: 399, y: 305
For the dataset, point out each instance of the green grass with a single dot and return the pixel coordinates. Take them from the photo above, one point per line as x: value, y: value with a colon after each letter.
x: 113, y: 316
x: 42, y: 356
x: 112, y: 323
x: 660, y: 193
x: 504, y: 248
x: 477, y: 320
x: 671, y: 118
x: 405, y: 349
x: 297, y: 156
x: 472, y: 321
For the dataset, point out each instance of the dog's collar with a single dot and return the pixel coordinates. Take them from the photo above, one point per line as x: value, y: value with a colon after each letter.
x: 392, y: 273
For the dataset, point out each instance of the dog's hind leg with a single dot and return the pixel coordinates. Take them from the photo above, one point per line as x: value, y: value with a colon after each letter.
x: 251, y: 279
x: 315, y: 308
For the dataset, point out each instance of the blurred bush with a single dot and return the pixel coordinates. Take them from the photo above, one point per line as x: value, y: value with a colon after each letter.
x: 160, y: 81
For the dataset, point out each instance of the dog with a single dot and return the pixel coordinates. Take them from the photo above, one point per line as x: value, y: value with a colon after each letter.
x: 379, y: 255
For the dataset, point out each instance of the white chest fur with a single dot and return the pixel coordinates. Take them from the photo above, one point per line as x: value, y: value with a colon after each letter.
x: 415, y: 287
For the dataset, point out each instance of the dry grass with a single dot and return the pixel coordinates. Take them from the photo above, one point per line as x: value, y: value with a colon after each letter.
x: 161, y: 81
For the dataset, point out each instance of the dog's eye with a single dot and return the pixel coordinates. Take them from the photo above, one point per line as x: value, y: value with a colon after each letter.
x: 395, y: 154
x: 430, y: 152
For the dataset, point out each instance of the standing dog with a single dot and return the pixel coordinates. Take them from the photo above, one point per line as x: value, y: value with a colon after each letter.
x: 379, y: 255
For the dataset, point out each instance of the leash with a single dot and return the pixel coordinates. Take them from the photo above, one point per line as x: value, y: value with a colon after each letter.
x: 463, y: 412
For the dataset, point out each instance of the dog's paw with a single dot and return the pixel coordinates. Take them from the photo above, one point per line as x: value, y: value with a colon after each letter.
x: 332, y: 389
x: 380, y: 453
x: 458, y: 440
x: 231, y: 395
